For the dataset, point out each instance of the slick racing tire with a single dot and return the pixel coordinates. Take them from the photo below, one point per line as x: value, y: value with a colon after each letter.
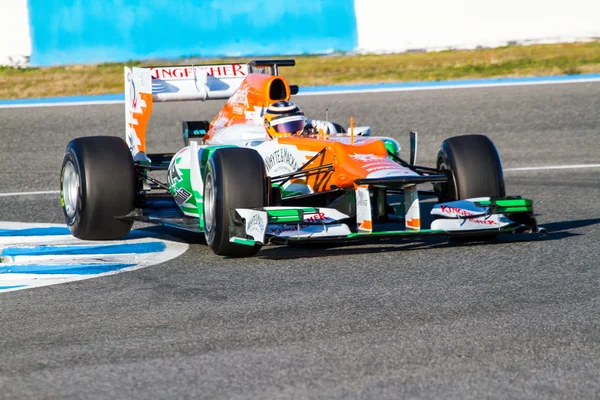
x: 234, y: 178
x: 475, y: 171
x: 475, y: 168
x: 97, y: 185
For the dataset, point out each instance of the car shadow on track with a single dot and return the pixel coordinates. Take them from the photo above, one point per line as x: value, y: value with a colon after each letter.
x: 177, y: 235
x: 566, y: 226
x: 555, y: 231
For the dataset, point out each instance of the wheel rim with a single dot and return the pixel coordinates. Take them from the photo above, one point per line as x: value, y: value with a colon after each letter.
x: 209, y: 204
x: 70, y: 189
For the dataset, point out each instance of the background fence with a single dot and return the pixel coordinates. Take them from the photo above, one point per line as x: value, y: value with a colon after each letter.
x: 54, y: 32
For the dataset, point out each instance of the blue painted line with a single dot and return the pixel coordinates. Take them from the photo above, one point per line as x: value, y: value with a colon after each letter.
x: 78, y: 269
x: 329, y: 88
x: 11, y: 287
x: 56, y: 230
x: 453, y: 83
x: 49, y: 231
x: 137, y: 248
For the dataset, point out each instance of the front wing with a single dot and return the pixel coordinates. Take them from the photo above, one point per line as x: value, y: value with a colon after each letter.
x: 471, y: 217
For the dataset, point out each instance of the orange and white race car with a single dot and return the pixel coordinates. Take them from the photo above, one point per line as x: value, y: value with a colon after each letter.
x: 261, y: 173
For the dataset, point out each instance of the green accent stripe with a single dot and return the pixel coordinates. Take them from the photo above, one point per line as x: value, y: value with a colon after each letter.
x: 508, y: 210
x: 245, y: 242
x: 508, y: 205
x: 507, y: 202
x: 290, y: 211
x: 290, y: 215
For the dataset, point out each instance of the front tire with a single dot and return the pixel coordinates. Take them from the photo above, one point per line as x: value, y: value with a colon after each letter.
x: 475, y: 171
x: 475, y: 168
x: 234, y: 178
x: 97, y: 186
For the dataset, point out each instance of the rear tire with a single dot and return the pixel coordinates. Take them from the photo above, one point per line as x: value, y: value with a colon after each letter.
x: 97, y: 186
x: 475, y: 168
x: 234, y: 178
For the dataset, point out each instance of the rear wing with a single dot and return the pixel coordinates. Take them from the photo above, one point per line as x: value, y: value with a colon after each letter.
x: 143, y: 86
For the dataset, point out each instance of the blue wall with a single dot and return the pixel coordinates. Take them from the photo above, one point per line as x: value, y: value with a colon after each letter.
x: 95, y: 31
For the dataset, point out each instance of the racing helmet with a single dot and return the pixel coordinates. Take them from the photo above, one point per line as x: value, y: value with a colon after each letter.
x: 284, y: 118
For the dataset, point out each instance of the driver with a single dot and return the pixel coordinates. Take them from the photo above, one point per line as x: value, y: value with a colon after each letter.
x: 285, y: 118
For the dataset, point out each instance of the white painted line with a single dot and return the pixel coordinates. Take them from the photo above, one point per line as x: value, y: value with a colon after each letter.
x: 23, y: 240
x: 29, y: 193
x: 69, y: 103
x: 123, y: 258
x: 11, y: 278
x: 542, y: 168
x: 353, y: 89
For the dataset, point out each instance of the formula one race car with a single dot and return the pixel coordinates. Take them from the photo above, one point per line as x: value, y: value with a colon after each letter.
x: 244, y: 186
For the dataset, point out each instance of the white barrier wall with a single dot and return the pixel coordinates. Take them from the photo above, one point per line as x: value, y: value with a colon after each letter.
x: 399, y: 25
x: 15, y: 40
x: 50, y: 34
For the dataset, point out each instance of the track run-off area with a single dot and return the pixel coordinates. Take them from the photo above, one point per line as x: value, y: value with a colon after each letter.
x: 516, y: 317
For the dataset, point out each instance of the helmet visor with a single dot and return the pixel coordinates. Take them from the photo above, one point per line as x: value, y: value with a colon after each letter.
x: 293, y: 124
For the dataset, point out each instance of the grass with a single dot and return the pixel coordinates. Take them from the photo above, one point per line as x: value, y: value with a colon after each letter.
x: 509, y: 61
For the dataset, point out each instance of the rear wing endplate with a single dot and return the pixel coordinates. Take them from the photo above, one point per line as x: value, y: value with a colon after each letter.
x: 143, y: 86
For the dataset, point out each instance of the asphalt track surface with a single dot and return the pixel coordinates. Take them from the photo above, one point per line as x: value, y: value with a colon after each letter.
x: 517, y: 317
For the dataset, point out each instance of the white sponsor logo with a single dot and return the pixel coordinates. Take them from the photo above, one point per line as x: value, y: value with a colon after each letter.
x: 281, y: 161
x: 240, y: 97
x: 365, y: 157
x: 256, y: 225
x: 218, y: 71
x: 255, y: 117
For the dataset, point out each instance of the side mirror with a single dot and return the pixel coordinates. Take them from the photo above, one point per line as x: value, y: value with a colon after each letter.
x: 361, y: 130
